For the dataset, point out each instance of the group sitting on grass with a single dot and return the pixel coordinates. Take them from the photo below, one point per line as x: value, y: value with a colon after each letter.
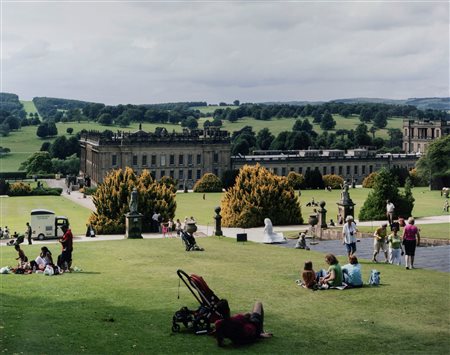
x: 336, y: 276
x: 44, y: 261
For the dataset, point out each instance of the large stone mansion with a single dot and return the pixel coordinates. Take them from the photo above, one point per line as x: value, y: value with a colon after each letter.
x: 419, y: 133
x: 189, y: 155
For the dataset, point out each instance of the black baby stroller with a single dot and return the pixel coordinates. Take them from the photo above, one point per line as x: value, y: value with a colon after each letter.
x: 199, y: 320
x: 189, y: 242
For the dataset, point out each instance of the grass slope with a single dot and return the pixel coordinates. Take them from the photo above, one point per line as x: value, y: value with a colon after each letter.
x: 124, y: 300
x: 29, y: 107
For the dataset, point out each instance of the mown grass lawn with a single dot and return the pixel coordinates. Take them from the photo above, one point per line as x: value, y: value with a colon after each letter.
x: 15, y: 211
x: 428, y: 203
x: 124, y: 300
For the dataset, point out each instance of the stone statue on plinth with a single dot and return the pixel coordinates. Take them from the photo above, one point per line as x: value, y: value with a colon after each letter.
x: 133, y: 201
x: 133, y: 219
x: 346, y: 207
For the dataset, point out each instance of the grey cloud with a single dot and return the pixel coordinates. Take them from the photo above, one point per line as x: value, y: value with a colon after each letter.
x: 152, y: 52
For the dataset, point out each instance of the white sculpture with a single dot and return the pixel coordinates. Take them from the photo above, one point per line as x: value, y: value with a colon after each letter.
x: 269, y: 236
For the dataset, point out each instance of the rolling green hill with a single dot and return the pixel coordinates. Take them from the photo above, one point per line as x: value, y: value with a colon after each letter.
x: 29, y: 107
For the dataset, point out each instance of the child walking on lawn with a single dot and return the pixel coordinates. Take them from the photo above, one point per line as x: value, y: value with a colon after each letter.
x: 395, y: 247
x: 22, y: 257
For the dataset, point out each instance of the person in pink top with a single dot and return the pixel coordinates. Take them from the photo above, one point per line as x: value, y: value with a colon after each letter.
x: 411, y: 239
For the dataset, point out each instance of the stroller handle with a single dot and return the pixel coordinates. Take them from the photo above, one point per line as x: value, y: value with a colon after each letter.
x: 185, y: 278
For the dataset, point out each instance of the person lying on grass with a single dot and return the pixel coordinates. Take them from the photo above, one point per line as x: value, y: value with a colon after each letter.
x: 240, y: 328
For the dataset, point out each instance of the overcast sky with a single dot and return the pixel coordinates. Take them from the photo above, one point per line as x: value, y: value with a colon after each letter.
x: 150, y: 52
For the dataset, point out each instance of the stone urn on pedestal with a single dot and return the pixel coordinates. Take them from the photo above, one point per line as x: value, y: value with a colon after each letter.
x: 312, y: 221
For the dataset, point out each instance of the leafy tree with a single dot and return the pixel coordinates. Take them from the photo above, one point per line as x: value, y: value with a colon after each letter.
x: 369, y: 180
x: 264, y: 139
x: 67, y: 166
x: 306, y: 126
x: 434, y: 166
x: 13, y: 122
x: 4, y: 130
x: 298, y: 140
x: 313, y: 179
x: 265, y: 114
x: 208, y: 183
x: 112, y: 200
x: 334, y: 181
x: 378, y: 142
x: 69, y: 130
x: 169, y: 182
x: 295, y: 180
x: 385, y: 187
x: 297, y: 125
x: 216, y: 122
x: 317, y: 116
x: 241, y: 146
x: 229, y: 178
x: 280, y: 142
x: 366, y: 115
x: 58, y: 148
x: 361, y: 135
x: 327, y: 121
x: 52, y: 130
x: 190, y: 123
x: 416, y: 180
x: 395, y: 138
x: 38, y: 163
x: 345, y: 112
x: 35, y: 121
x: 236, y: 102
x: 105, y: 119
x: 258, y: 194
x: 231, y: 115
x: 380, y: 119
x: 73, y: 146
x: 401, y: 174
x: 42, y: 130
x: 45, y: 147
x: 405, y: 205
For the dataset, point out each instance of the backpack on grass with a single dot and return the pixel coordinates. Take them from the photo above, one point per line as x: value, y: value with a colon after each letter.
x: 374, y: 279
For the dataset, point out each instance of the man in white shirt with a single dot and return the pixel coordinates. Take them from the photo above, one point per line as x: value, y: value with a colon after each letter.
x: 349, y: 235
x: 390, y: 211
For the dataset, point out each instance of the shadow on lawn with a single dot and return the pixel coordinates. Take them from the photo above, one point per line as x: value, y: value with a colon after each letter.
x: 95, y: 325
x: 91, y: 325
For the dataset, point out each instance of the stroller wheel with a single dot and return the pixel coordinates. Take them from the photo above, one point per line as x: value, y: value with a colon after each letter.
x: 175, y: 328
x: 201, y: 326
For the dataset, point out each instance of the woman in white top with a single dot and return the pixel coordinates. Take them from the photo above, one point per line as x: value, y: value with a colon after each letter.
x: 349, y: 235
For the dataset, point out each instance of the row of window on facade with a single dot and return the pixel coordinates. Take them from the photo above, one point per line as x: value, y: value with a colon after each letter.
x: 422, y: 133
x: 163, y: 159
x: 182, y: 174
x: 332, y: 170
